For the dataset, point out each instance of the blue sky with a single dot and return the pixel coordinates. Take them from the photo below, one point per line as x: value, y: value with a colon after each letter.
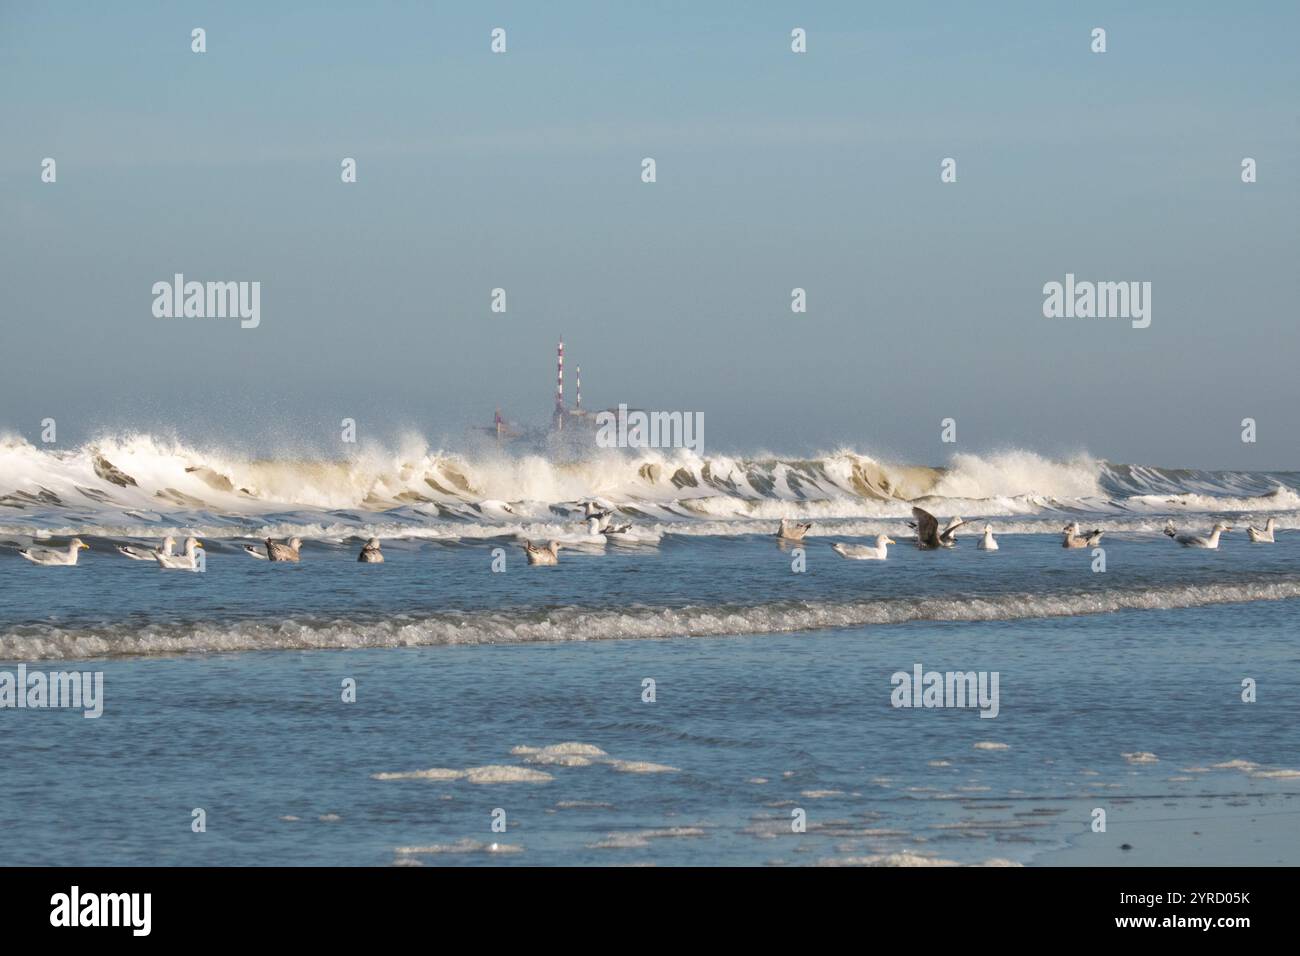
x: 775, y: 170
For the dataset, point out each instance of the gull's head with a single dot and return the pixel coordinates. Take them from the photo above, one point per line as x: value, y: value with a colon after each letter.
x: 372, y: 543
x: 76, y: 544
x: 169, y: 542
x: 1071, y: 528
x: 1220, y: 526
x: 988, y: 529
x: 295, y: 543
x: 554, y: 547
x: 884, y: 539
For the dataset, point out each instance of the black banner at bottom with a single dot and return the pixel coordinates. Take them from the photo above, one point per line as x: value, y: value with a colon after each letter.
x: 336, y: 905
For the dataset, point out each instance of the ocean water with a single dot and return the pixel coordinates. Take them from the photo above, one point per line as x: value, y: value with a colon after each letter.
x: 520, y: 695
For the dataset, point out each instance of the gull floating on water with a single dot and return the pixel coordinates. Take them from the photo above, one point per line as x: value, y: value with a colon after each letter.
x: 789, y: 531
x: 180, y: 562
x: 928, y: 535
x: 146, y: 554
x: 370, y: 553
x: 599, y: 524
x: 547, y: 555
x: 283, y: 552
x: 628, y: 535
x: 601, y: 516
x: 1198, y: 540
x: 988, y: 542
x: 1075, y: 538
x: 865, y: 552
x: 51, y: 557
x: 1262, y: 535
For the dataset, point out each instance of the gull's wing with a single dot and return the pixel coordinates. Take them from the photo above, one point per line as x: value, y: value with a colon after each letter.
x: 927, y: 527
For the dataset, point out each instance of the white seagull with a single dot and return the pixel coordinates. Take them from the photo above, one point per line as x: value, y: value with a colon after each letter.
x: 1199, y: 540
x: 180, y: 562
x: 865, y: 552
x: 146, y: 554
x: 1262, y: 535
x: 928, y: 535
x: 988, y: 542
x: 51, y: 557
x: 370, y: 553
x: 547, y: 555
x: 600, y: 515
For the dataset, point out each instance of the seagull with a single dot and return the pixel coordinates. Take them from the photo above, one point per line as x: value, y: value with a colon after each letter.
x: 789, y: 531
x: 988, y: 542
x: 547, y: 555
x: 180, y: 562
x: 927, y: 530
x: 1200, y: 540
x: 370, y: 554
x: 253, y: 552
x: 1075, y: 538
x: 283, y: 552
x: 146, y: 554
x: 865, y: 552
x: 51, y: 557
x: 1262, y: 535
x: 626, y: 534
x: 601, y: 516
x: 599, y: 524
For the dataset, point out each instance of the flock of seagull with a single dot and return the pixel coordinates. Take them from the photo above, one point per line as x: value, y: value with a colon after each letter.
x: 599, y: 523
x: 929, y: 537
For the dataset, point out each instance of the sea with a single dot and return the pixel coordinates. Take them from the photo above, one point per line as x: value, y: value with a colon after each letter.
x: 692, y: 691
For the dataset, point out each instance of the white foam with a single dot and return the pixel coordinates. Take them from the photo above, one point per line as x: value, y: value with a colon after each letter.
x: 1141, y: 757
x: 42, y: 641
x: 464, y: 845
x: 492, y: 773
x: 641, y: 838
x: 640, y: 766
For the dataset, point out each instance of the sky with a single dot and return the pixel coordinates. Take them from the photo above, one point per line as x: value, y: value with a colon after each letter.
x: 775, y: 170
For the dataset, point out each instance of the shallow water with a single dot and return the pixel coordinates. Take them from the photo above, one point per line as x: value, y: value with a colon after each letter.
x: 760, y: 674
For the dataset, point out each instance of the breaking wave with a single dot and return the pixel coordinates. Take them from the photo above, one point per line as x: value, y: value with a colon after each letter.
x: 52, y: 642
x: 145, y: 485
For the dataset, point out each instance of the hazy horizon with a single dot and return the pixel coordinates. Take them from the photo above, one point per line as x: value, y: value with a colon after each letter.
x: 775, y: 170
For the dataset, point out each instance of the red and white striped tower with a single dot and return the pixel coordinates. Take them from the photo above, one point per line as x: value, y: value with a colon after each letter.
x: 559, y: 377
